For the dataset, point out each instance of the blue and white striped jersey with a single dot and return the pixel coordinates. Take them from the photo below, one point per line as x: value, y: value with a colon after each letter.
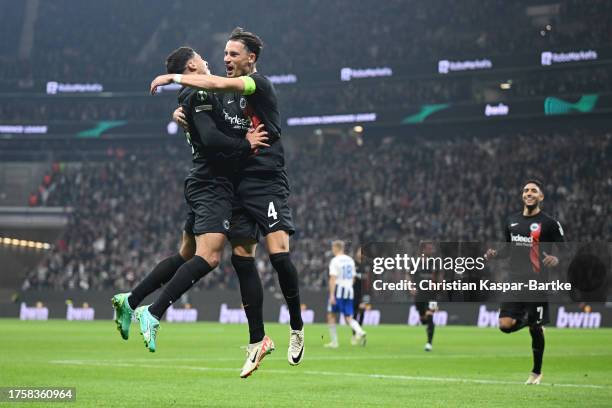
x: 343, y: 268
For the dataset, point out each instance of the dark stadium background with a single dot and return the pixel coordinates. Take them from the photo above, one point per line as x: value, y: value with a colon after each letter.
x: 409, y: 121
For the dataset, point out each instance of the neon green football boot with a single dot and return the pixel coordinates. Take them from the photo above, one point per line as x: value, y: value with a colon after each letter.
x: 123, y: 314
x: 149, y: 326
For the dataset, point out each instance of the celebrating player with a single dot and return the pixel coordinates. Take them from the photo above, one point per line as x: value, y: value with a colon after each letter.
x: 209, y: 194
x: 525, y: 231
x: 261, y: 188
x: 341, y: 277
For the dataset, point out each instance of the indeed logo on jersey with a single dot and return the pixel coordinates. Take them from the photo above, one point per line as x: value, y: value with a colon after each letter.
x: 521, y: 239
x: 236, y: 121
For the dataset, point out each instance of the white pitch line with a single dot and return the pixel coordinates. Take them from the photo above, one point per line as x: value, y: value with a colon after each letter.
x: 328, y: 373
x: 430, y: 356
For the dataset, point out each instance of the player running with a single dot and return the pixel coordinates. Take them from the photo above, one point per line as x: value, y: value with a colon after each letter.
x: 341, y: 277
x: 261, y: 187
x: 527, y: 232
x: 209, y: 194
x: 425, y: 302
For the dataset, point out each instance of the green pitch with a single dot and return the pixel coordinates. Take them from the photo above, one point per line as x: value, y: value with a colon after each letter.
x: 198, y: 365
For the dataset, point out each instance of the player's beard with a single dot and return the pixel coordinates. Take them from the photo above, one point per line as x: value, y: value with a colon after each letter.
x: 532, y: 207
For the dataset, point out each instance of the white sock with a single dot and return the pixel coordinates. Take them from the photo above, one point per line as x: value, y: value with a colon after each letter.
x: 332, y: 333
x: 355, y: 326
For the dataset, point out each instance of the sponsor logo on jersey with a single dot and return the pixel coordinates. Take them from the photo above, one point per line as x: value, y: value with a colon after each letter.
x: 521, y: 239
x: 236, y: 120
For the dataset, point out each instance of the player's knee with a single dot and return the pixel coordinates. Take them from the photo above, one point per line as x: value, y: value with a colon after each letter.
x: 187, y: 252
x: 277, y: 242
x: 188, y: 249
x: 244, y: 248
x: 505, y: 325
x: 212, y: 258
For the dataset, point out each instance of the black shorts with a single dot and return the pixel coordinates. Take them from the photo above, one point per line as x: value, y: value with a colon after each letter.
x: 209, y: 202
x: 262, y: 203
x: 535, y: 312
x: 423, y: 306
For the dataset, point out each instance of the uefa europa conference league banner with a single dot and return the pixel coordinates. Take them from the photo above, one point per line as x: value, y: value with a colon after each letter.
x: 433, y: 113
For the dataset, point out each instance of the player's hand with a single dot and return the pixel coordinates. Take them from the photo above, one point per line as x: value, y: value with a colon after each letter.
x: 550, y: 260
x: 332, y: 300
x: 491, y: 253
x: 257, y: 137
x: 159, y: 81
x: 179, y: 117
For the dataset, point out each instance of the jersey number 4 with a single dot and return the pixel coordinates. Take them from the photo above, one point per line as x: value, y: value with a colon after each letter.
x: 271, y: 211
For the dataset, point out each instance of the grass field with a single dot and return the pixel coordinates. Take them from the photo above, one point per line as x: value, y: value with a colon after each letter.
x: 198, y: 365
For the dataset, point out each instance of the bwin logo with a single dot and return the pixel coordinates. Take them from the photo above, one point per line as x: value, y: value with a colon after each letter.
x: 578, y: 320
x: 487, y: 318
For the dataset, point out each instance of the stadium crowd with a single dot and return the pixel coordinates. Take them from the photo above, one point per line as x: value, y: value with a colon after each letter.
x: 118, y: 40
x: 126, y: 56
x: 128, y: 210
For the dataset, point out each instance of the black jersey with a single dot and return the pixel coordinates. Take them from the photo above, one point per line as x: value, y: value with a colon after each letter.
x: 244, y: 111
x: 214, y: 152
x: 529, y: 237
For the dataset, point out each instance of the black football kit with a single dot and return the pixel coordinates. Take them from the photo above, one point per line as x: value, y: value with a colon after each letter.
x: 261, y: 186
x: 529, y: 237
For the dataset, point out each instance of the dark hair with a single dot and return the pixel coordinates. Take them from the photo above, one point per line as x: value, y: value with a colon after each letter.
x: 536, y: 182
x: 251, y: 41
x: 177, y: 60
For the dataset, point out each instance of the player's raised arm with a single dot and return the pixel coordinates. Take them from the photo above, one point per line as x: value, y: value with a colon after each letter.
x: 243, y: 84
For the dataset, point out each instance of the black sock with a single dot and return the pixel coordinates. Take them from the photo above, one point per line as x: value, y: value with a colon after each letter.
x: 430, y: 328
x: 288, y: 280
x: 162, y: 273
x: 186, y: 276
x: 361, y: 316
x: 251, y: 291
x: 537, y: 345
